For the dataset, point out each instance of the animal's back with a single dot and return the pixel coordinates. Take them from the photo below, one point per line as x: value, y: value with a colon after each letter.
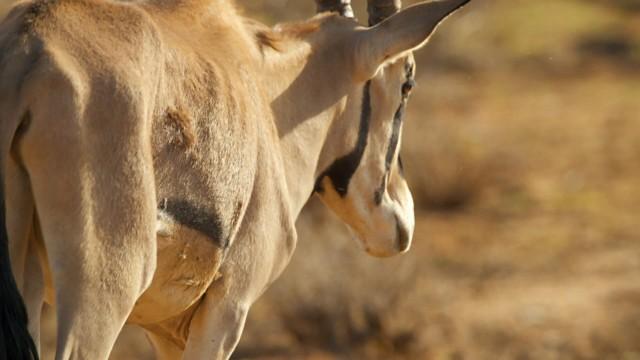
x: 97, y: 48
x: 188, y: 69
x: 66, y: 63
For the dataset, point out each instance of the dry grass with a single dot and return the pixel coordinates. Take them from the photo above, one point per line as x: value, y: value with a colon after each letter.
x: 522, y: 150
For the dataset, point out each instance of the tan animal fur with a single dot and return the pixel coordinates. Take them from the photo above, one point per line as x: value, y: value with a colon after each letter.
x: 119, y: 121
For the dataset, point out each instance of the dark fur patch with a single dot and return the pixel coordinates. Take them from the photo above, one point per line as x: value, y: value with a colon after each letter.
x: 269, y: 39
x: 391, y: 150
x: 379, y: 193
x: 37, y: 11
x: 395, y: 136
x: 342, y: 170
x: 180, y: 121
x: 395, y: 133
x: 398, y: 116
x: 196, y: 218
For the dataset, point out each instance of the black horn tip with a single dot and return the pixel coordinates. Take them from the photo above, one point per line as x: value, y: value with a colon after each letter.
x: 379, y: 10
x: 343, y: 7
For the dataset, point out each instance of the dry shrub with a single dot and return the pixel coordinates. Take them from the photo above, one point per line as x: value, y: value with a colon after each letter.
x: 451, y: 156
x: 444, y: 172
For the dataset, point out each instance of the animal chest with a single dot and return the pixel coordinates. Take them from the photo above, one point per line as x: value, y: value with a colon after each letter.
x: 204, y: 181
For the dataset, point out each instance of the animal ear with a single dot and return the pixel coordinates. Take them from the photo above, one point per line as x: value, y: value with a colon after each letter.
x: 404, y: 31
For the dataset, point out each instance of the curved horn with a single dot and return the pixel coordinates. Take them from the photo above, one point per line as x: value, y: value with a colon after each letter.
x: 381, y: 9
x: 341, y: 6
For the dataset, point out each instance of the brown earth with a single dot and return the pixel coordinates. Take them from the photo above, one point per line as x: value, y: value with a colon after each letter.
x: 522, y: 146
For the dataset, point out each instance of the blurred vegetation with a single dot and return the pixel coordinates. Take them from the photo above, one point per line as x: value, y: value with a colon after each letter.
x: 522, y: 148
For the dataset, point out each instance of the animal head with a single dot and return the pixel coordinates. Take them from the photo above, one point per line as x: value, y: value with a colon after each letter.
x: 361, y: 178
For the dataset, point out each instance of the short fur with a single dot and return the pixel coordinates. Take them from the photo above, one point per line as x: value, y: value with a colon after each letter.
x: 170, y: 148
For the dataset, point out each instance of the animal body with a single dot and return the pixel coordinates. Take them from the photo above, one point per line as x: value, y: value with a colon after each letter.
x: 154, y: 156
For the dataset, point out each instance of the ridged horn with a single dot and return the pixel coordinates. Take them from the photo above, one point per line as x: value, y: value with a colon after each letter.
x: 382, y: 9
x: 343, y: 7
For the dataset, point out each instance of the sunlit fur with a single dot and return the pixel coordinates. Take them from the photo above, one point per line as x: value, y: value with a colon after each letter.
x: 378, y: 203
x: 131, y: 133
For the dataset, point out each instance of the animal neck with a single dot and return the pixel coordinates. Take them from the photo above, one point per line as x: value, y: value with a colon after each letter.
x: 306, y: 97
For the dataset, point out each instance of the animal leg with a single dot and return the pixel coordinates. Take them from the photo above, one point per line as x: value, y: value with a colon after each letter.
x: 92, y: 180
x: 164, y: 349
x: 33, y: 293
x: 217, y: 324
x: 25, y: 263
x: 102, y: 256
x: 20, y: 213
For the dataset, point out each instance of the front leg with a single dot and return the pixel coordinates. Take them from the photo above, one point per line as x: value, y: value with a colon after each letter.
x: 217, y: 324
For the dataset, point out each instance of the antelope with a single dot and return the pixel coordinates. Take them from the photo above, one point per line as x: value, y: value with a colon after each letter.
x: 154, y: 157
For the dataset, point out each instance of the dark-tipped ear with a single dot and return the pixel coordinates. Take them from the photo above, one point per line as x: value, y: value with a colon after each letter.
x: 405, y: 31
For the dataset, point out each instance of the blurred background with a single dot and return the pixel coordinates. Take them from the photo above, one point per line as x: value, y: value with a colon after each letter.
x: 522, y: 148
